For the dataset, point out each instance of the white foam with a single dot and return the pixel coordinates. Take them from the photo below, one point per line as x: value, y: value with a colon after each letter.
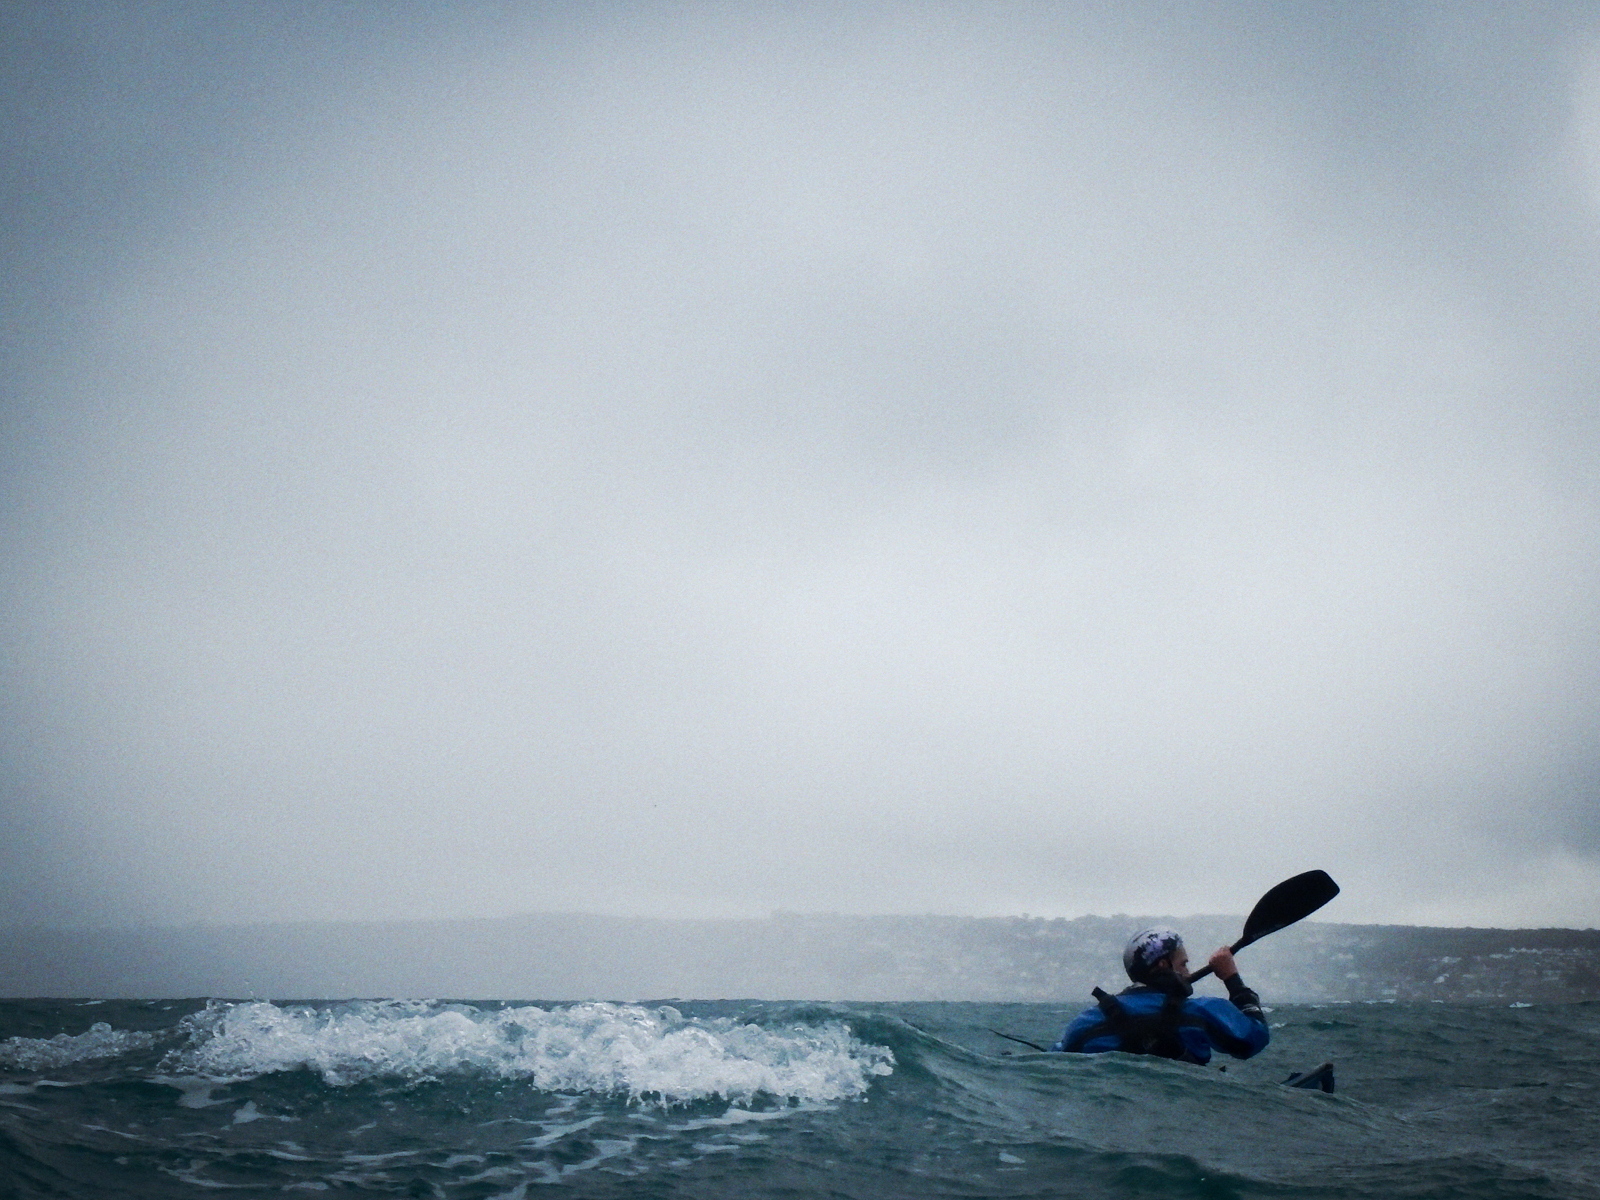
x: 101, y: 1041
x: 645, y: 1054
x: 248, y: 1112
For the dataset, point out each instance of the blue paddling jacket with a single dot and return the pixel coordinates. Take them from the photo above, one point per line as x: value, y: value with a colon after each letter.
x: 1142, y: 1020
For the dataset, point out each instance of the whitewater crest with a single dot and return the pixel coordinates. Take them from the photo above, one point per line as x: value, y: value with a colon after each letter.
x: 650, y: 1055
x: 99, y: 1041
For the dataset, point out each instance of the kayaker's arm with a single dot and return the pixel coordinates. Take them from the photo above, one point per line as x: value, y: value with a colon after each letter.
x: 1245, y: 1000
x: 1225, y: 969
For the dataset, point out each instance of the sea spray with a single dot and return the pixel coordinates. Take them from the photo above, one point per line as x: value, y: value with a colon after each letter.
x: 100, y: 1041
x: 643, y: 1054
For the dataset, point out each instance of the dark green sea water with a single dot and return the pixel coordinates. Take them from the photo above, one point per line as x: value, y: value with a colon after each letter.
x: 753, y: 1099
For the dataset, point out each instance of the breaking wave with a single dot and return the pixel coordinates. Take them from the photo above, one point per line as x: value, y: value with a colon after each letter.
x: 45, y: 1054
x: 646, y: 1054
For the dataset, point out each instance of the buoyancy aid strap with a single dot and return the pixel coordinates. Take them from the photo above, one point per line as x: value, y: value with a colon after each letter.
x: 1156, y: 1033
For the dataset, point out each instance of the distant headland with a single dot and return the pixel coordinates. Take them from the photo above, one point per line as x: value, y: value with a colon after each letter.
x: 564, y: 956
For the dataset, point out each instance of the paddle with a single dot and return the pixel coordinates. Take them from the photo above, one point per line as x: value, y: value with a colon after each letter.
x: 1291, y: 901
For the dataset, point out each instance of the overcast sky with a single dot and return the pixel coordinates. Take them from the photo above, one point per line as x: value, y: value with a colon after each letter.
x: 709, y: 459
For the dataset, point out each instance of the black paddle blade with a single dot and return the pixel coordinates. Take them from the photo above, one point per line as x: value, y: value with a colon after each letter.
x: 1291, y: 901
x: 1283, y: 905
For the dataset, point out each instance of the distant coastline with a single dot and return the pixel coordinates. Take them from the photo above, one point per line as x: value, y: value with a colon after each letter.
x: 559, y: 956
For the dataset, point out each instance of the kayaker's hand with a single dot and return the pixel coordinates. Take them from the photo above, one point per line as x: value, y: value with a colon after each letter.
x: 1222, y: 963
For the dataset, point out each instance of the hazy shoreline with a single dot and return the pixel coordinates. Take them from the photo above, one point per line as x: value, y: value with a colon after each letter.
x: 568, y: 956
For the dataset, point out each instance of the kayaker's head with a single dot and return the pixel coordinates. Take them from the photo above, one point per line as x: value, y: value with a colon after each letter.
x: 1153, y: 951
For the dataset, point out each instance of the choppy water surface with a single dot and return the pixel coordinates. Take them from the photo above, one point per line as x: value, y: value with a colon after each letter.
x: 751, y: 1099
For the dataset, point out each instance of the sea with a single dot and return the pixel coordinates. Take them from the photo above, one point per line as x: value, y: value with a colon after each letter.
x: 752, y: 1099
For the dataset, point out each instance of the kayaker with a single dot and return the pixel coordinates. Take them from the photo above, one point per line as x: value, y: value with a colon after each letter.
x: 1160, y: 1014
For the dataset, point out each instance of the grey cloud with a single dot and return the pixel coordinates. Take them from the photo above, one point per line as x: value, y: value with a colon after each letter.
x: 880, y: 460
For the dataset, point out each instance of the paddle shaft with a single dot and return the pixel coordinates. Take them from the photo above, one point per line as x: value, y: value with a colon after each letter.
x: 1233, y: 949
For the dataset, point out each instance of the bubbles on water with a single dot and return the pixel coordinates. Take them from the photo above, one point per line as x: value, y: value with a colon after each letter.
x: 648, y: 1055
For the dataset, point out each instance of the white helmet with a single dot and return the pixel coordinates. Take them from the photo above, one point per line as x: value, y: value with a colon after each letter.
x: 1145, y: 949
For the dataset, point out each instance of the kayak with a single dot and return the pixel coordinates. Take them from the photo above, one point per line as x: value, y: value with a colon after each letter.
x: 1317, y: 1077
